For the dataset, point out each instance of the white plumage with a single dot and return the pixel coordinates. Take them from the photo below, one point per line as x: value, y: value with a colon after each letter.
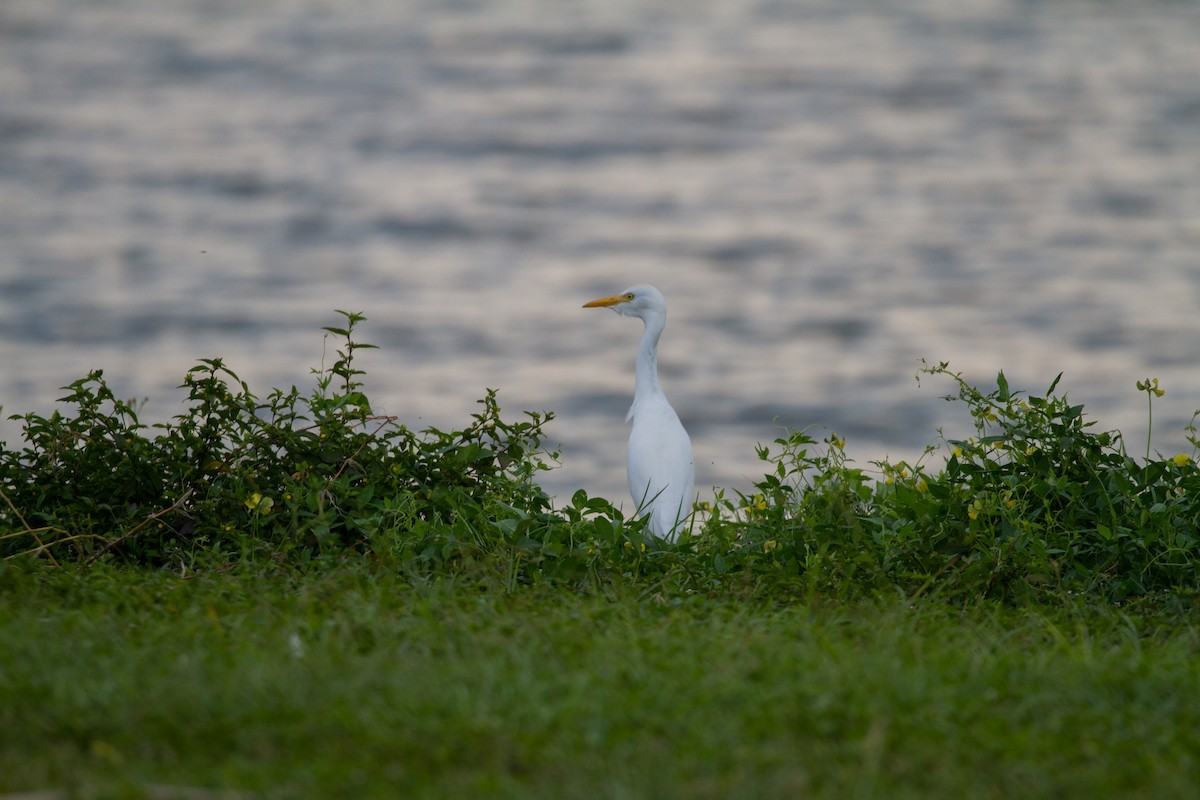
x: 659, y: 460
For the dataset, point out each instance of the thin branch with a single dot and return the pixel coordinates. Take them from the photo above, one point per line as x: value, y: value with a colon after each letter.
x: 132, y: 531
x: 20, y: 516
x: 41, y: 548
x: 45, y: 548
x: 346, y: 462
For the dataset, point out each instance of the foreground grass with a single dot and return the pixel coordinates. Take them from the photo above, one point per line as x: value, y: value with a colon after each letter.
x: 351, y: 683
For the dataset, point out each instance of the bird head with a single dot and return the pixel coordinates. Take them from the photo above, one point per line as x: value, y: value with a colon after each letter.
x: 636, y: 301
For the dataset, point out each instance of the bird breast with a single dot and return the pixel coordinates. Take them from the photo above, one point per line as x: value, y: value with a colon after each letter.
x: 660, y: 454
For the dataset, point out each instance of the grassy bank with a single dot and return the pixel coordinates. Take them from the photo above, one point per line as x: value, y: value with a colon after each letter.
x: 288, y: 595
x: 349, y: 682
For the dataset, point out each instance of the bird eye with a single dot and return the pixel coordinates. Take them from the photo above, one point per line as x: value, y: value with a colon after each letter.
x: 627, y: 296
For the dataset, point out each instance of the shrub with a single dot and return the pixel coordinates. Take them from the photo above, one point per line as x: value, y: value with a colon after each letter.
x: 1041, y: 497
x: 285, y: 477
x: 1034, y: 503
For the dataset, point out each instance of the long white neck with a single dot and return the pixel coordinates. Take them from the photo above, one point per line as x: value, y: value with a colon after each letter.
x: 646, y: 383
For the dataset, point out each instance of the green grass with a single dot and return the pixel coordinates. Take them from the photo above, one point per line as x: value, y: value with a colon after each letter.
x: 350, y: 682
x: 373, y: 611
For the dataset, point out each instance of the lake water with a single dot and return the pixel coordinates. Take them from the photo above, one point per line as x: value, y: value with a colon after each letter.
x: 826, y: 192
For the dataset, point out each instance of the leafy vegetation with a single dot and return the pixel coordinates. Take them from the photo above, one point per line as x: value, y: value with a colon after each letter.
x: 1035, y: 503
x: 293, y: 596
x: 282, y: 479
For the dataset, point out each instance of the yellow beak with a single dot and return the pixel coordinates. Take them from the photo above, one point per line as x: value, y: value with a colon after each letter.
x: 606, y: 302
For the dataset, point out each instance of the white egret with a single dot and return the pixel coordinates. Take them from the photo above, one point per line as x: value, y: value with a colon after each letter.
x: 659, y: 459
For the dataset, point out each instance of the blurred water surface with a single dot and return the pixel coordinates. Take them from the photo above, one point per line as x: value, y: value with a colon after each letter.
x: 826, y: 191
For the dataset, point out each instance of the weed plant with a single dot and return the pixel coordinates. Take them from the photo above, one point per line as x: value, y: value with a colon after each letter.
x: 1034, y: 503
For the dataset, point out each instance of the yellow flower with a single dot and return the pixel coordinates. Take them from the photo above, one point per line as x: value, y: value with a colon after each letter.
x: 837, y: 442
x: 956, y: 451
x: 756, y: 503
x: 1182, y: 460
x: 1151, y: 385
x: 975, y: 508
x: 769, y: 545
x: 259, y: 504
